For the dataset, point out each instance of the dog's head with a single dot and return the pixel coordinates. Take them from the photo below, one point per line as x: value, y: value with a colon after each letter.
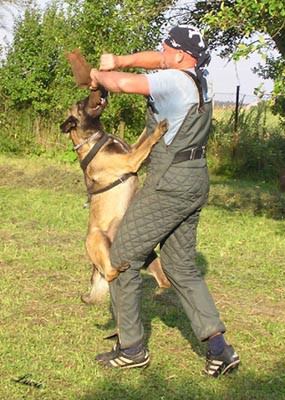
x: 85, y: 114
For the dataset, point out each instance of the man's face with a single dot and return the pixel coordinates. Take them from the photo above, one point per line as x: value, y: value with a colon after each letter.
x: 170, y: 55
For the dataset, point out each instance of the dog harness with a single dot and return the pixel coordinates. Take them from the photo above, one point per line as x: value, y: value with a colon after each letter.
x: 94, y: 150
x: 122, y: 179
x: 92, y: 153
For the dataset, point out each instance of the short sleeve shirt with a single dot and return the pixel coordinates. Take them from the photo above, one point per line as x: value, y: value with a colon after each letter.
x: 172, y: 93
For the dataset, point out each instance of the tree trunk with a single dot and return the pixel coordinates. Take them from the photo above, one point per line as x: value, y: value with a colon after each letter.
x: 279, y: 40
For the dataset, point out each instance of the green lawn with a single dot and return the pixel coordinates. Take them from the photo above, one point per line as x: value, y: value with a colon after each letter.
x: 48, y: 333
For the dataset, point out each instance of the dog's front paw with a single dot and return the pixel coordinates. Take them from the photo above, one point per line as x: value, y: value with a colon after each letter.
x: 164, y: 125
x: 161, y: 128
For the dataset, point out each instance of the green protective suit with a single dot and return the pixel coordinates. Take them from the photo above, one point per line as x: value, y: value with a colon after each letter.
x: 166, y: 212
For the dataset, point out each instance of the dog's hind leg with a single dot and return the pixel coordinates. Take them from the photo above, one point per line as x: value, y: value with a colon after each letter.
x: 99, y: 289
x: 155, y: 269
x: 98, y: 249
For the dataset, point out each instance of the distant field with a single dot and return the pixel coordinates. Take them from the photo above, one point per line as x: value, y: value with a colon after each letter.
x: 48, y: 333
x: 225, y: 112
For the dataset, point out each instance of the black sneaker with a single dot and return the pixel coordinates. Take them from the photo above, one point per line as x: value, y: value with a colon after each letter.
x: 221, y: 364
x: 103, y: 357
x: 116, y: 358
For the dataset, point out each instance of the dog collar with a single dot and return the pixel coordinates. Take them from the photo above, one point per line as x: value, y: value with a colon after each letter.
x: 86, y: 141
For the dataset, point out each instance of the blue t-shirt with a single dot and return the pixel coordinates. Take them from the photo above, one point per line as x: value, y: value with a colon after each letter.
x: 172, y: 93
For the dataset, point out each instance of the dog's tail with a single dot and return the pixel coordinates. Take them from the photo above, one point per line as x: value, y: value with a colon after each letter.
x: 99, y: 290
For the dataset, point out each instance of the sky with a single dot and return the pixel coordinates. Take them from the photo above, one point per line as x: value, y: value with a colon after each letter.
x: 226, y: 75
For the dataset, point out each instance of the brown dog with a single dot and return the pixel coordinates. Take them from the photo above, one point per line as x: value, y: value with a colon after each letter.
x: 110, y: 167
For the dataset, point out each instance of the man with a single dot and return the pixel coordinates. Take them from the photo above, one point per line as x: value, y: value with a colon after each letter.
x: 166, y: 210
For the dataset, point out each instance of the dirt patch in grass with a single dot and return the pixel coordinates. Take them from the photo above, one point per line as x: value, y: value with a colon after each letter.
x: 259, y: 198
x: 57, y: 178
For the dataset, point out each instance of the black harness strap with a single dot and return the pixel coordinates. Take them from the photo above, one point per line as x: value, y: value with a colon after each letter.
x: 117, y: 182
x: 92, y: 153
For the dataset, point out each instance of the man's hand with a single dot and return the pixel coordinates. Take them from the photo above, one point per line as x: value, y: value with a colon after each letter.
x: 94, y: 81
x: 109, y: 62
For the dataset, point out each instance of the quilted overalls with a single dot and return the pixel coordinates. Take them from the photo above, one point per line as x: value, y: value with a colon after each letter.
x: 166, y: 212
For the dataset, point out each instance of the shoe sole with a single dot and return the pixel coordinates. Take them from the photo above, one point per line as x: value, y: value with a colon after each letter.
x: 144, y: 363
x: 229, y: 369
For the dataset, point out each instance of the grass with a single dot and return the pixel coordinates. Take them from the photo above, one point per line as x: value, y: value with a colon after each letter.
x: 262, y: 113
x: 48, y: 333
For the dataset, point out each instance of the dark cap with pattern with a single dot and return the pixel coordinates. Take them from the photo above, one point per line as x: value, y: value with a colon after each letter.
x: 190, y: 40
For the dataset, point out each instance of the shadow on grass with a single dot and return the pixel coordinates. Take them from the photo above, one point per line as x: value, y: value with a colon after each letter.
x: 157, y: 385
x: 165, y: 305
x: 260, y: 199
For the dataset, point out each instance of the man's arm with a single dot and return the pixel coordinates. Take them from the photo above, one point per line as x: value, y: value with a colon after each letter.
x: 120, y: 82
x: 144, y: 59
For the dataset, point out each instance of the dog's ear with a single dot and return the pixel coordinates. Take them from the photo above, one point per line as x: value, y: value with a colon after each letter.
x: 69, y: 124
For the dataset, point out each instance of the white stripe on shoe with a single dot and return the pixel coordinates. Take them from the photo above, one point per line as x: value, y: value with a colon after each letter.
x: 124, y: 362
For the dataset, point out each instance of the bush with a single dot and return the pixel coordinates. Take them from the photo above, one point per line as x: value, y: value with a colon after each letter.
x: 257, y: 149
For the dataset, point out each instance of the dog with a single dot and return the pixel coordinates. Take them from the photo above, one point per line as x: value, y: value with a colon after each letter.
x: 110, y: 168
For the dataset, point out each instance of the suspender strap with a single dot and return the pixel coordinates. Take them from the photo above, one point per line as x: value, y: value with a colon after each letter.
x: 198, y: 152
x: 197, y: 83
x: 92, y: 153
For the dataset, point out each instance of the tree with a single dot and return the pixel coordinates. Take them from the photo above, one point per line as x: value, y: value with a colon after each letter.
x: 29, y: 74
x: 120, y: 27
x: 36, y: 75
x: 241, y: 27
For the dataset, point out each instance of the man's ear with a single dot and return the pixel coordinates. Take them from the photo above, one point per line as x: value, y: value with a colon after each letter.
x: 69, y: 124
x: 179, y: 56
